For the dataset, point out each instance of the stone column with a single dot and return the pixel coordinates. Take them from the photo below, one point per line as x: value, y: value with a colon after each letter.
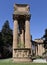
x: 36, y: 51
x: 15, y: 36
x: 27, y: 34
x: 39, y: 49
x: 22, y: 39
x: 43, y: 48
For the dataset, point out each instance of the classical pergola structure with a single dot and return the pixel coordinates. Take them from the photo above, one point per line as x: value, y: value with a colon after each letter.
x: 39, y: 47
x: 21, y: 33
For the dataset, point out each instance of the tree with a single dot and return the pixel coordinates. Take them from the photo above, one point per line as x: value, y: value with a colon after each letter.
x: 7, y: 38
x: 45, y: 39
x: 1, y: 45
x: 7, y: 34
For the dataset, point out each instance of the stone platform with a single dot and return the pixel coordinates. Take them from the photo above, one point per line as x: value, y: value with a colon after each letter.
x: 22, y: 55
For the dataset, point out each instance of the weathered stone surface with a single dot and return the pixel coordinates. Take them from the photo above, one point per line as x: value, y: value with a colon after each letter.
x: 21, y: 34
x: 15, y: 36
x: 21, y: 8
x: 39, y: 48
x: 27, y: 34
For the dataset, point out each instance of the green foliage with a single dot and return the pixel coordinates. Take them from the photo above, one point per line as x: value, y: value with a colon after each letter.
x: 20, y: 63
x: 45, y: 39
x: 1, y: 39
x: 7, y: 34
x: 10, y: 62
x: 1, y: 44
x: 6, y: 40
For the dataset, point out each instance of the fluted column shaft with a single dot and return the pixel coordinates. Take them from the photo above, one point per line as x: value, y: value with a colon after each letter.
x: 27, y: 34
x: 15, y: 34
x: 40, y: 50
x: 36, y: 51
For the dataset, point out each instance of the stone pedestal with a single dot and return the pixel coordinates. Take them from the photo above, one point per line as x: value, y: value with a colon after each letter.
x: 22, y: 55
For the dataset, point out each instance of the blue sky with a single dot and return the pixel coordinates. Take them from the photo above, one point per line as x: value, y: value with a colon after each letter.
x: 38, y: 9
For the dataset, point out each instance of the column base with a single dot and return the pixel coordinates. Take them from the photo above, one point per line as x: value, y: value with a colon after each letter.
x: 22, y: 55
x: 22, y: 60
